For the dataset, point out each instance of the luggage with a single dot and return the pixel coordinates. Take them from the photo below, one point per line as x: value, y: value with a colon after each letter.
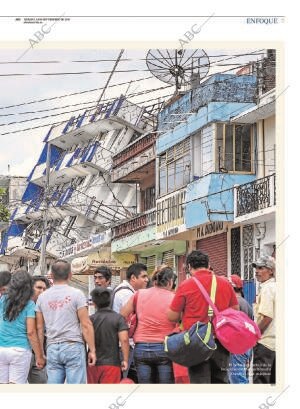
x: 233, y: 328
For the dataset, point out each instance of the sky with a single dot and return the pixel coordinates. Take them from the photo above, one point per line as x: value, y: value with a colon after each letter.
x: 19, y: 106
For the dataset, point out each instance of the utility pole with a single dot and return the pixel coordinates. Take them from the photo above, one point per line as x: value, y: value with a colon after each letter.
x: 110, y: 75
x: 42, y: 263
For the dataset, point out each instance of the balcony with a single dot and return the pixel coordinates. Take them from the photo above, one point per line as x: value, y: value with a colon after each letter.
x: 34, y: 212
x: 136, y: 224
x: 77, y: 202
x: 255, y: 200
x: 136, y: 160
x: 219, y: 88
x: 116, y: 114
x: 70, y: 202
x: 79, y: 163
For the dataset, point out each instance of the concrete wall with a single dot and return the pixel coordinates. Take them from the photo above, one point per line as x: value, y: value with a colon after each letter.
x: 203, y: 207
x: 266, y: 147
x: 270, y: 238
x: 218, y: 88
x: 213, y: 112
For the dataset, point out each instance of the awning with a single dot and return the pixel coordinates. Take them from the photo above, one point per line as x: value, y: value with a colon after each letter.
x: 256, y: 113
x: 87, y: 264
x: 104, y: 257
x: 80, y: 265
x: 25, y: 252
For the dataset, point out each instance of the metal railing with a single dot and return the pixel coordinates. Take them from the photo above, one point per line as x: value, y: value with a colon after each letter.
x: 257, y: 195
x: 134, y: 149
x: 137, y: 223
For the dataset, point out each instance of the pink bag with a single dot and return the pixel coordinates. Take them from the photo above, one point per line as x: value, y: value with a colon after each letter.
x: 234, y: 329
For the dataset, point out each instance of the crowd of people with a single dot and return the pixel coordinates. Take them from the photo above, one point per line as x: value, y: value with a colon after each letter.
x: 47, y: 335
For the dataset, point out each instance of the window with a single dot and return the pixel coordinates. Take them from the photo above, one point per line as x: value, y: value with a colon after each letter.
x: 235, y: 238
x: 174, y: 168
x: 248, y: 251
x: 234, y: 148
x: 148, y: 198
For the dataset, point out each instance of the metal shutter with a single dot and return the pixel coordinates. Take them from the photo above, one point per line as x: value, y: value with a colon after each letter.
x: 216, y: 249
x: 169, y: 258
x: 151, y: 264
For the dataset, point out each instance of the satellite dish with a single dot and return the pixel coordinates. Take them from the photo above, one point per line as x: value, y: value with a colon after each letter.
x: 178, y: 67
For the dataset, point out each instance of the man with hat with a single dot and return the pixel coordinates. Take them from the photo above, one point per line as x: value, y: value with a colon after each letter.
x: 264, y: 351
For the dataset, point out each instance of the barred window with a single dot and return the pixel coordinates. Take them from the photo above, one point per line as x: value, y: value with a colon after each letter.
x: 175, y: 168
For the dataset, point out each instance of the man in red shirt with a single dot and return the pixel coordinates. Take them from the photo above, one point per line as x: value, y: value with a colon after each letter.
x: 190, y: 306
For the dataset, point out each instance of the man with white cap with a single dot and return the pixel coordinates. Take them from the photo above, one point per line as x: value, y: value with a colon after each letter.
x: 264, y: 351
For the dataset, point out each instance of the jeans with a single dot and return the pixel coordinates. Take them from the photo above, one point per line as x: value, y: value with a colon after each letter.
x: 152, y: 363
x: 66, y: 363
x: 238, y: 367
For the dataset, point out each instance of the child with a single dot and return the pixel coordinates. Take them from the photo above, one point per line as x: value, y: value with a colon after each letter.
x: 110, y: 329
x: 5, y: 277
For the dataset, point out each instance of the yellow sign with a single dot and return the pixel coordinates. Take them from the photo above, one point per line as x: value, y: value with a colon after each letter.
x: 104, y: 258
x: 170, y: 214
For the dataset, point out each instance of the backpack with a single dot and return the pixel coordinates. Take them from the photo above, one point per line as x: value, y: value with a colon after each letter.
x: 132, y: 318
x: 117, y: 289
x: 193, y: 346
x: 234, y: 329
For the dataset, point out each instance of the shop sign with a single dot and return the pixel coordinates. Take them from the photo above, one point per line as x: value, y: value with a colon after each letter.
x: 210, y: 229
x: 170, y: 218
x: 114, y: 261
x: 95, y: 240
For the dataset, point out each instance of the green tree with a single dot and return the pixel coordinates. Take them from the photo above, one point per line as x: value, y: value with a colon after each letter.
x: 4, y: 212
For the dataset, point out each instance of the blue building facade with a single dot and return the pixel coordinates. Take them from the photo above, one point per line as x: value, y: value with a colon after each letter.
x: 202, y: 155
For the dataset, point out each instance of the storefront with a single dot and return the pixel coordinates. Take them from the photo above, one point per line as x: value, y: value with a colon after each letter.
x: 216, y: 249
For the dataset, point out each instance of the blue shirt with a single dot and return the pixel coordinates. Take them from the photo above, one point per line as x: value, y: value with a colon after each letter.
x: 14, y: 333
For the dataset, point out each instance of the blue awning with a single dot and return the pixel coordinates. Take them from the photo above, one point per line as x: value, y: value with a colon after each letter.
x: 69, y: 123
x: 96, y: 113
x: 65, y: 196
x: 39, y: 242
x: 55, y: 153
x: 80, y: 119
x: 92, y: 151
x: 15, y: 229
x: 48, y: 134
x: 32, y: 190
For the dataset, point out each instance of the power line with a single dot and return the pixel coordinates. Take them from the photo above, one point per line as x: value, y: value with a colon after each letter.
x: 202, y: 87
x: 121, y: 60
x: 73, y: 93
x: 114, y: 85
x: 87, y: 102
x: 78, y: 109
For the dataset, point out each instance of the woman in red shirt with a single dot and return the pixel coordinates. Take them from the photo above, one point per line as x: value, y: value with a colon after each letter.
x: 150, y: 305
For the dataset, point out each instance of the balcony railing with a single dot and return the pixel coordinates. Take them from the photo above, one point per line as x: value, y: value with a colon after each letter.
x: 90, y: 207
x: 135, y: 224
x: 255, y: 196
x: 134, y: 149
